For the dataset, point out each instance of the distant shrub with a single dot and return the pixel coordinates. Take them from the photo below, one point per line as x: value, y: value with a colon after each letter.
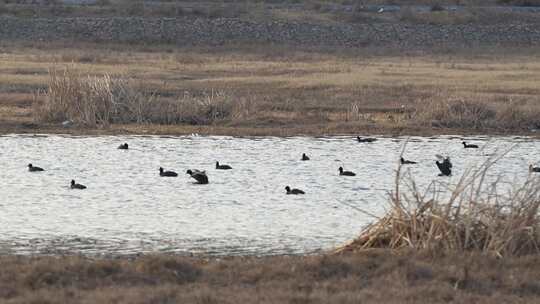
x: 457, y: 114
x: 520, y: 2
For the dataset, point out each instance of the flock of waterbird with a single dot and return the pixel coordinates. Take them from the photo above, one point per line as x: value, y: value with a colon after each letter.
x: 445, y: 167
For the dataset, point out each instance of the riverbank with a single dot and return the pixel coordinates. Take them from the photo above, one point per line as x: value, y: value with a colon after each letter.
x: 282, y: 91
x: 279, y: 130
x: 346, y: 278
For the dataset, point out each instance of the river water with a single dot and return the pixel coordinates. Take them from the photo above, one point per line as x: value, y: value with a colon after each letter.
x: 128, y: 208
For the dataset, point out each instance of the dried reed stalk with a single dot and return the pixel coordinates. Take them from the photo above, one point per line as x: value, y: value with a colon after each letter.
x: 102, y: 100
x: 473, y: 217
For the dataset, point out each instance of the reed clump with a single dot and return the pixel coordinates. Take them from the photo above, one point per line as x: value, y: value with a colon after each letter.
x: 456, y: 113
x: 104, y: 100
x: 89, y: 100
x: 202, y: 108
x: 478, y: 115
x: 474, y: 216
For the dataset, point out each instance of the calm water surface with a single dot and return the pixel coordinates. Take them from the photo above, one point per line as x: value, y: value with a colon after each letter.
x: 128, y: 208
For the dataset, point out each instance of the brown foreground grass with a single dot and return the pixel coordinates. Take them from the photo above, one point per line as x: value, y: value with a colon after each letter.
x: 475, y: 215
x: 374, y: 276
x: 276, y: 91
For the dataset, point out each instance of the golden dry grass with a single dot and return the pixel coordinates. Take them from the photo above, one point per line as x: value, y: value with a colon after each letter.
x: 476, y: 215
x: 309, y: 91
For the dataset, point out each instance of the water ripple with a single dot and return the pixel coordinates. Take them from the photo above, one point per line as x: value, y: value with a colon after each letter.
x: 129, y: 209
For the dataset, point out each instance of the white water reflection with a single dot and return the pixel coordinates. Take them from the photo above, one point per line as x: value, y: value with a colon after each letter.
x: 128, y: 208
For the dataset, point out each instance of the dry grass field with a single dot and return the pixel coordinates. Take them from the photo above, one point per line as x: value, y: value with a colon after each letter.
x: 281, y: 91
x: 375, y: 276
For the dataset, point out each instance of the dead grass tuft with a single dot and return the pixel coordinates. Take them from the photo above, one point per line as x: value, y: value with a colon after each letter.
x: 473, y: 217
x: 477, y: 114
x: 89, y: 100
x: 345, y: 278
x: 169, y: 269
x: 103, y: 100
x: 195, y: 109
x: 457, y: 114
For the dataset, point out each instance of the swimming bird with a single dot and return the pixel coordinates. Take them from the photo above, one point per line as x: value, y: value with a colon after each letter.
x: 77, y: 186
x: 469, y: 146
x: 123, y: 146
x: 445, y: 167
x: 304, y: 156
x: 534, y: 169
x: 222, y: 167
x: 365, y: 139
x: 167, y: 173
x: 34, y: 168
x: 407, y: 162
x: 199, y: 176
x: 346, y: 173
x: 294, y: 191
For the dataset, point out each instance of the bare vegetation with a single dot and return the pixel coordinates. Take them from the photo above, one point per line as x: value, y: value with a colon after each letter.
x: 101, y: 100
x: 468, y: 247
x: 346, y: 278
x: 479, y: 115
x: 266, y: 90
x: 89, y: 100
x: 476, y: 215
